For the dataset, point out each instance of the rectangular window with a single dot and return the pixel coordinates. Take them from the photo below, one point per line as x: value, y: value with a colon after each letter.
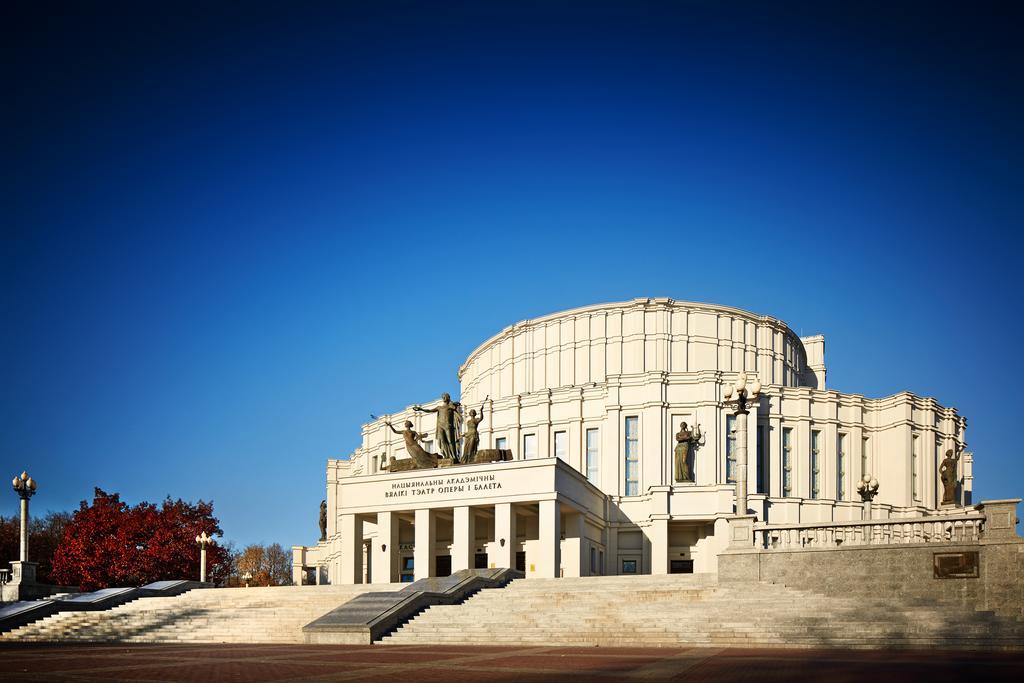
x: 815, y: 464
x: 865, y: 449
x: 762, y: 465
x: 592, y: 455
x: 428, y: 446
x: 529, y: 446
x: 841, y: 469
x: 730, y: 448
x: 632, y: 457
x: 787, y: 461
x: 562, y: 446
x: 501, y: 443
x: 913, y: 468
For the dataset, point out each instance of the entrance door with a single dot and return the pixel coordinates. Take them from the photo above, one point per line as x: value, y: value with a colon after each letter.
x: 443, y: 565
x: 681, y: 567
x: 480, y: 561
x: 629, y: 564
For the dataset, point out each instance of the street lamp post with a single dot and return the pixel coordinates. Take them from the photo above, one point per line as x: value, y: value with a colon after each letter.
x: 25, y: 486
x: 868, y: 489
x: 740, y: 397
x: 203, y: 540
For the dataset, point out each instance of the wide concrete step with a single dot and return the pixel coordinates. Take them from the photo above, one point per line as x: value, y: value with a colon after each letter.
x: 211, y: 615
x: 653, y: 611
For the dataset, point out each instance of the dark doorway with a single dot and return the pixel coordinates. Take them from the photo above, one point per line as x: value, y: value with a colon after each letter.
x: 680, y: 567
x: 480, y: 561
x: 443, y: 565
x: 521, y: 561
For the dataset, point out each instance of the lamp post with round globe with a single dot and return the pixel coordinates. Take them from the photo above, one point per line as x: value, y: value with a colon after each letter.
x: 25, y: 486
x: 868, y: 489
x: 203, y: 540
x: 740, y: 396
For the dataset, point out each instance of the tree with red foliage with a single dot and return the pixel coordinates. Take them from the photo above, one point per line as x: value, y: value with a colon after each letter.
x: 110, y: 543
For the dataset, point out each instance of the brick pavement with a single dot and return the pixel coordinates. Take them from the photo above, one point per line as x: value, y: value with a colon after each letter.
x: 452, y: 664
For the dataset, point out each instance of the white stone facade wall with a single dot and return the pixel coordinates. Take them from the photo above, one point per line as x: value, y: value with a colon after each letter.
x: 664, y: 362
x: 661, y: 397
x: 591, y: 344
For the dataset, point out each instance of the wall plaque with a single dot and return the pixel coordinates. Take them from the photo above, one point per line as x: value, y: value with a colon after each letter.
x: 956, y: 565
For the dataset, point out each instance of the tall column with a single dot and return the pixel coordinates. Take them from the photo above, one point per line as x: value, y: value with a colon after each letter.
x: 658, y: 533
x: 576, y: 561
x: 351, y: 550
x: 385, y: 549
x: 505, y: 535
x: 423, y: 552
x: 23, y: 553
x: 550, y: 560
x: 464, y: 537
x: 741, y: 462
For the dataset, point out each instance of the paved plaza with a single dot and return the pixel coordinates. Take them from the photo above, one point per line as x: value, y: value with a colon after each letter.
x: 207, y: 662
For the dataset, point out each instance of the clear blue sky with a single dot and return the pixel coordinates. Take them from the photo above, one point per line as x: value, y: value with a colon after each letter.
x: 230, y: 233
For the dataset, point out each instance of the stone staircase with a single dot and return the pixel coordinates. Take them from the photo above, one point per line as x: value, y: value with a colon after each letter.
x: 215, y: 615
x: 652, y: 611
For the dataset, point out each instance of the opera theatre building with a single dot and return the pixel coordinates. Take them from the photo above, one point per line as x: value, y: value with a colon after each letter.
x: 566, y: 453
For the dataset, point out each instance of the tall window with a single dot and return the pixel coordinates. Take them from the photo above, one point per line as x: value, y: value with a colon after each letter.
x: 428, y: 446
x: 865, y: 449
x: 913, y: 467
x: 632, y: 457
x: 730, y: 448
x: 815, y: 463
x: 787, y: 461
x: 841, y: 469
x: 592, y: 455
x: 501, y: 443
x: 762, y: 469
x: 529, y: 446
x: 562, y: 446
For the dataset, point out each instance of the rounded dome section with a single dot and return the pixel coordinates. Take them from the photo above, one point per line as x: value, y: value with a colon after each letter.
x: 588, y: 345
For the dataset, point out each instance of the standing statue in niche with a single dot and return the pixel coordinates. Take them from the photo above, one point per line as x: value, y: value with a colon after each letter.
x: 686, y: 440
x: 413, y: 447
x: 471, y: 439
x: 947, y: 472
x: 323, y: 520
x: 449, y: 421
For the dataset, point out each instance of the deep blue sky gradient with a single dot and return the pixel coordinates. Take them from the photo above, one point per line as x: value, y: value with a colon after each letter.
x: 230, y: 233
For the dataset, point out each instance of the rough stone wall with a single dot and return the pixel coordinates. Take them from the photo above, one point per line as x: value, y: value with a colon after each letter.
x: 902, y: 571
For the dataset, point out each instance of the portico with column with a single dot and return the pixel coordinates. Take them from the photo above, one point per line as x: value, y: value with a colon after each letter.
x: 540, y: 516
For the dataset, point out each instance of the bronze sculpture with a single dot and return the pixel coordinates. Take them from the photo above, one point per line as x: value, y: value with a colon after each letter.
x: 448, y: 423
x: 416, y: 452
x: 471, y: 439
x: 323, y: 520
x: 685, y: 441
x: 947, y: 473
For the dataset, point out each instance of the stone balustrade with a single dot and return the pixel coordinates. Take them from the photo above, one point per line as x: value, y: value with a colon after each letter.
x: 965, y: 528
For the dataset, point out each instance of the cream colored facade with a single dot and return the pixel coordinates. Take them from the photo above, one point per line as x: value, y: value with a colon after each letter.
x: 576, y: 394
